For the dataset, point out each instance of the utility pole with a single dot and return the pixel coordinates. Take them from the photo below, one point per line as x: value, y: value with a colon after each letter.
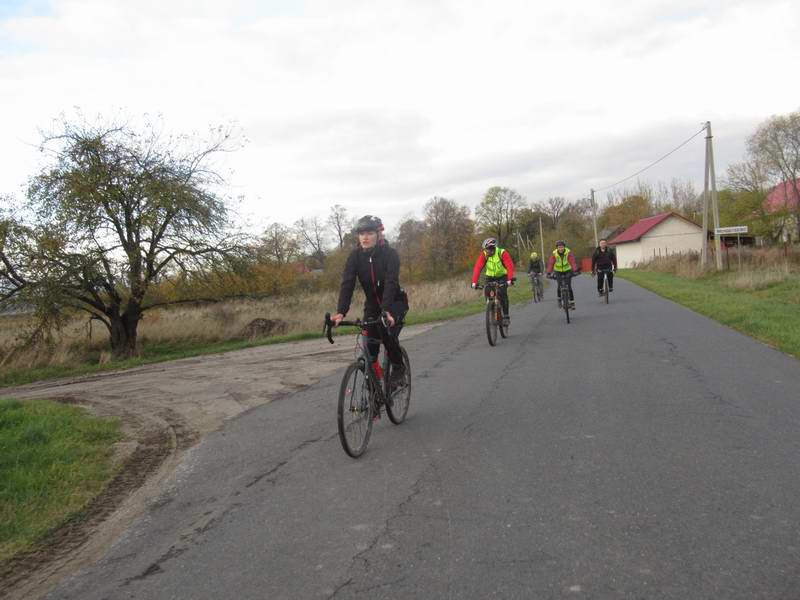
x: 594, y: 220
x: 541, y: 237
x: 714, y: 198
x: 704, y: 250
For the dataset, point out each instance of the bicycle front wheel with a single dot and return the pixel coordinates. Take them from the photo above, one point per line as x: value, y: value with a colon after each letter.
x: 499, y: 317
x: 401, y: 398
x: 565, y: 300
x: 354, y: 411
x: 605, y: 288
x: 491, y: 324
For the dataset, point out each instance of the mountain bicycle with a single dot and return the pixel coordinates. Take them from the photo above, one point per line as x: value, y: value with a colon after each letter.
x: 604, y: 274
x: 366, y: 388
x: 563, y: 289
x: 494, y: 310
x: 537, y: 287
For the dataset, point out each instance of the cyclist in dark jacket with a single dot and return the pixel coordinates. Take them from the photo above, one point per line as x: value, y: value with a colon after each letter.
x: 535, y: 264
x: 377, y: 267
x: 604, y: 259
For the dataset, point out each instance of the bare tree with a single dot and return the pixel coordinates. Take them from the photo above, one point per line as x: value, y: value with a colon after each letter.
x: 278, y: 244
x: 339, y: 223
x: 116, y: 211
x: 310, y: 233
x: 776, y: 144
x: 749, y: 175
x: 553, y: 207
x: 449, y: 231
x: 497, y: 212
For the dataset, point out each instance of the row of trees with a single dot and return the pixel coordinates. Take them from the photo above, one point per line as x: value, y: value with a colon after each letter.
x: 123, y: 220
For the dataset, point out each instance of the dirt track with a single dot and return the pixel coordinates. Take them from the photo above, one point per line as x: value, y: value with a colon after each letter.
x: 165, y: 408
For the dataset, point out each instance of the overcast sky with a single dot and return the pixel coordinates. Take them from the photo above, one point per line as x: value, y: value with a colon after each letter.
x: 380, y: 105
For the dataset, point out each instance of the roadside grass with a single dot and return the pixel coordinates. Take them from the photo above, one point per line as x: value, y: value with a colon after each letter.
x: 763, y: 305
x: 54, y: 459
x: 429, y: 303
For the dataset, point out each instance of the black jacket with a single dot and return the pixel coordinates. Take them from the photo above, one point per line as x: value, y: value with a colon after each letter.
x: 535, y: 266
x: 382, y: 263
x: 604, y: 260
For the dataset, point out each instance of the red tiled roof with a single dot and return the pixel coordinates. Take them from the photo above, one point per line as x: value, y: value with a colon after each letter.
x: 782, y: 196
x: 638, y: 229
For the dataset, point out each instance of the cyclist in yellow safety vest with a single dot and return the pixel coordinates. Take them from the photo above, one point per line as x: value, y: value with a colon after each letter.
x: 499, y: 267
x: 563, y: 262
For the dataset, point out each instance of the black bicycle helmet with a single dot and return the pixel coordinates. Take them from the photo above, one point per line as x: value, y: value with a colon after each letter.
x: 369, y: 223
x: 561, y: 243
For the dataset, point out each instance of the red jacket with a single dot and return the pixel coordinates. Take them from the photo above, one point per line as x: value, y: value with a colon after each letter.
x: 570, y: 257
x: 481, y: 262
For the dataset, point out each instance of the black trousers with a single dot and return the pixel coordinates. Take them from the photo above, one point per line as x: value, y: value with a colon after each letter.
x: 390, y: 339
x: 502, y: 293
x: 610, y: 275
x: 558, y: 288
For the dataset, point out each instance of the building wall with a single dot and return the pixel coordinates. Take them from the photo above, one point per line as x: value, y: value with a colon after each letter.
x: 673, y: 236
x: 628, y: 253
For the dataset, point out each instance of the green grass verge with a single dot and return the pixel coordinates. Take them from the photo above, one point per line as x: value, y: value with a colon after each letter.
x: 160, y: 352
x: 771, y: 315
x: 54, y: 459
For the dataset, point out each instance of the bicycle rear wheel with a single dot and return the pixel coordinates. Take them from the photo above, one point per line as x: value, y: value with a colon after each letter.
x: 491, y: 324
x: 401, y: 398
x: 354, y: 411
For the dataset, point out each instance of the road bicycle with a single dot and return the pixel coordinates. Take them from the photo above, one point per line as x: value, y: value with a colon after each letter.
x: 494, y: 310
x: 563, y: 289
x: 537, y: 287
x: 604, y: 287
x: 366, y: 388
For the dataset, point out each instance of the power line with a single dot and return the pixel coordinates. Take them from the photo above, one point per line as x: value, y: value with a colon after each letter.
x: 608, y: 187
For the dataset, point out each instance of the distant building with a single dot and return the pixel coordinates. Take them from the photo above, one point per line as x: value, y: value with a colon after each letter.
x: 784, y: 198
x: 660, y: 235
x: 299, y: 267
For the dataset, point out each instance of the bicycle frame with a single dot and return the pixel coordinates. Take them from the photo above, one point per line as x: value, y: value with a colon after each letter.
x: 604, y: 282
x: 362, y: 348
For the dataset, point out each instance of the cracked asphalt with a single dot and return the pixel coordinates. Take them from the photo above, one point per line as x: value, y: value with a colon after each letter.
x: 642, y: 451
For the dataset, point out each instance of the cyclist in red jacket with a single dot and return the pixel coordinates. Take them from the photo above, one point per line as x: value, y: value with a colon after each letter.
x: 499, y: 267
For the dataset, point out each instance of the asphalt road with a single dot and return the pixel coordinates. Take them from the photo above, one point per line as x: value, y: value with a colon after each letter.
x: 642, y: 451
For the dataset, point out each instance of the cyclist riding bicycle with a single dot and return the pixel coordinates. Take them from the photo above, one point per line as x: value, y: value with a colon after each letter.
x: 377, y: 267
x: 604, y: 259
x: 562, y: 261
x: 535, y: 264
x: 499, y: 268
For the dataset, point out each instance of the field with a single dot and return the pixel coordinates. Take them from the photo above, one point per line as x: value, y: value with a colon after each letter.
x: 190, y: 330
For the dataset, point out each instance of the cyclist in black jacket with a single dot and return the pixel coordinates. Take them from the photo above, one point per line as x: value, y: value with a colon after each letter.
x: 377, y: 267
x: 604, y: 258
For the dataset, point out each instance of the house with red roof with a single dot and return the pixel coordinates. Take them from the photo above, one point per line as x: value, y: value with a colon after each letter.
x: 659, y: 235
x: 784, y: 201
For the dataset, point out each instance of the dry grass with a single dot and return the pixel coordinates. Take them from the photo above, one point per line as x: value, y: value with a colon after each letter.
x: 761, y: 267
x: 79, y: 342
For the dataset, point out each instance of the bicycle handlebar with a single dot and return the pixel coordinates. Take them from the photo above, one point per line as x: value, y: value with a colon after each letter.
x: 555, y: 274
x: 495, y: 284
x: 328, y: 325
